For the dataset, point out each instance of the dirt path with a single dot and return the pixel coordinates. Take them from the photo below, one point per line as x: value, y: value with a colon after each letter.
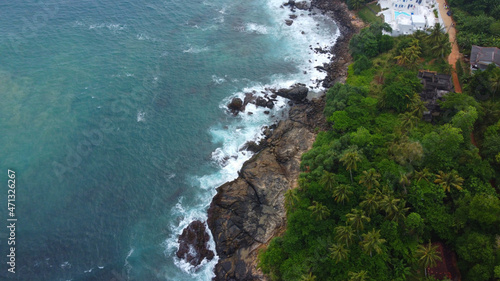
x: 455, y: 53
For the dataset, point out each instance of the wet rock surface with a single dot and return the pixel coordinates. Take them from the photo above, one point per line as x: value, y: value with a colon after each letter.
x: 193, y: 242
x: 249, y: 211
x: 236, y: 105
x: 297, y: 93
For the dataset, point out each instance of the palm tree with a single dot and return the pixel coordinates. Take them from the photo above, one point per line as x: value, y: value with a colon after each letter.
x: 357, y: 218
x: 389, y: 205
x: 427, y: 256
x: 422, y: 175
x: 369, y: 178
x: 409, y: 56
x: 442, y: 47
x: 355, y: 4
x: 308, y: 277
x: 400, y: 213
x: 370, y: 203
x: 417, y: 106
x: 408, y: 120
x: 291, y: 198
x: 319, y: 211
x: 342, y: 192
x: 449, y: 180
x: 328, y: 180
x: 436, y: 34
x: 372, y: 242
x: 350, y: 159
x: 495, y: 81
x: 378, y: 27
x: 404, y: 57
x: 358, y: 276
x: 420, y: 35
x: 338, y: 252
x: 404, y: 180
x: 344, y: 234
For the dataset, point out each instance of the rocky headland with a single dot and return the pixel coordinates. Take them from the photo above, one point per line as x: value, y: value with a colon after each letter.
x: 248, y: 212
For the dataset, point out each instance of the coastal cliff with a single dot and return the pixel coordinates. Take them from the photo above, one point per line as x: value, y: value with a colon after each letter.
x: 248, y: 212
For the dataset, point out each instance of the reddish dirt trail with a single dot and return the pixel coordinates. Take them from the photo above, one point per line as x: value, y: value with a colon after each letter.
x: 455, y: 52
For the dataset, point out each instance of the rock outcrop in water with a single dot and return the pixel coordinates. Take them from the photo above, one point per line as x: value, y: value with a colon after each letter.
x: 297, y: 93
x: 236, y: 105
x: 193, y: 244
x: 249, y: 211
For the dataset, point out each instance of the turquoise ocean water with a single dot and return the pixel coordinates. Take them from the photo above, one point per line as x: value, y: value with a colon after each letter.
x: 113, y: 119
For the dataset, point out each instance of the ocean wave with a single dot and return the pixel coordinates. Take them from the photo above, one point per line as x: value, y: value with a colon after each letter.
x: 218, y: 80
x: 256, y: 28
x: 113, y: 27
x: 141, y: 116
x: 195, y: 49
x: 307, y: 33
x: 185, y: 217
x: 143, y: 37
x: 65, y: 265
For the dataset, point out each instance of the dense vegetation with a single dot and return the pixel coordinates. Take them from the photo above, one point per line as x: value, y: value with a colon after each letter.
x: 478, y: 23
x: 382, y: 184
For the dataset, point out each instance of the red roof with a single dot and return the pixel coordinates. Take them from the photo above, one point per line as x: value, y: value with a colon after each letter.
x: 446, y: 268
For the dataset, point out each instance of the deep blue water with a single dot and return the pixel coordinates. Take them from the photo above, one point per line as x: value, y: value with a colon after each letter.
x: 113, y: 119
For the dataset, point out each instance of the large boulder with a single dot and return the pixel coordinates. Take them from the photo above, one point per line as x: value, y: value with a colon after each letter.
x: 302, y: 5
x: 297, y: 93
x: 260, y: 101
x: 193, y: 244
x: 235, y: 105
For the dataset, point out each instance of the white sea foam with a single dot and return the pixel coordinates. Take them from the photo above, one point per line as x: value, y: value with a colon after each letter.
x: 229, y: 157
x: 317, y: 31
x: 65, y: 265
x: 256, y: 28
x: 113, y: 27
x: 142, y: 36
x: 195, y: 49
x: 185, y: 217
x: 141, y: 116
x: 218, y: 80
x: 78, y: 23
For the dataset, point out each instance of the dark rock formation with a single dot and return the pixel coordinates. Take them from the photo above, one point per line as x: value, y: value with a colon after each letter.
x: 288, y: 22
x: 193, y: 246
x: 270, y: 104
x: 253, y: 146
x: 249, y: 211
x: 297, y: 93
x: 260, y: 101
x: 302, y: 5
x: 236, y: 105
x: 249, y: 98
x: 337, y: 68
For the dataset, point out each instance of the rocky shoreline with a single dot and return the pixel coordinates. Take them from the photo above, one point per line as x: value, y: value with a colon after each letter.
x: 248, y: 212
